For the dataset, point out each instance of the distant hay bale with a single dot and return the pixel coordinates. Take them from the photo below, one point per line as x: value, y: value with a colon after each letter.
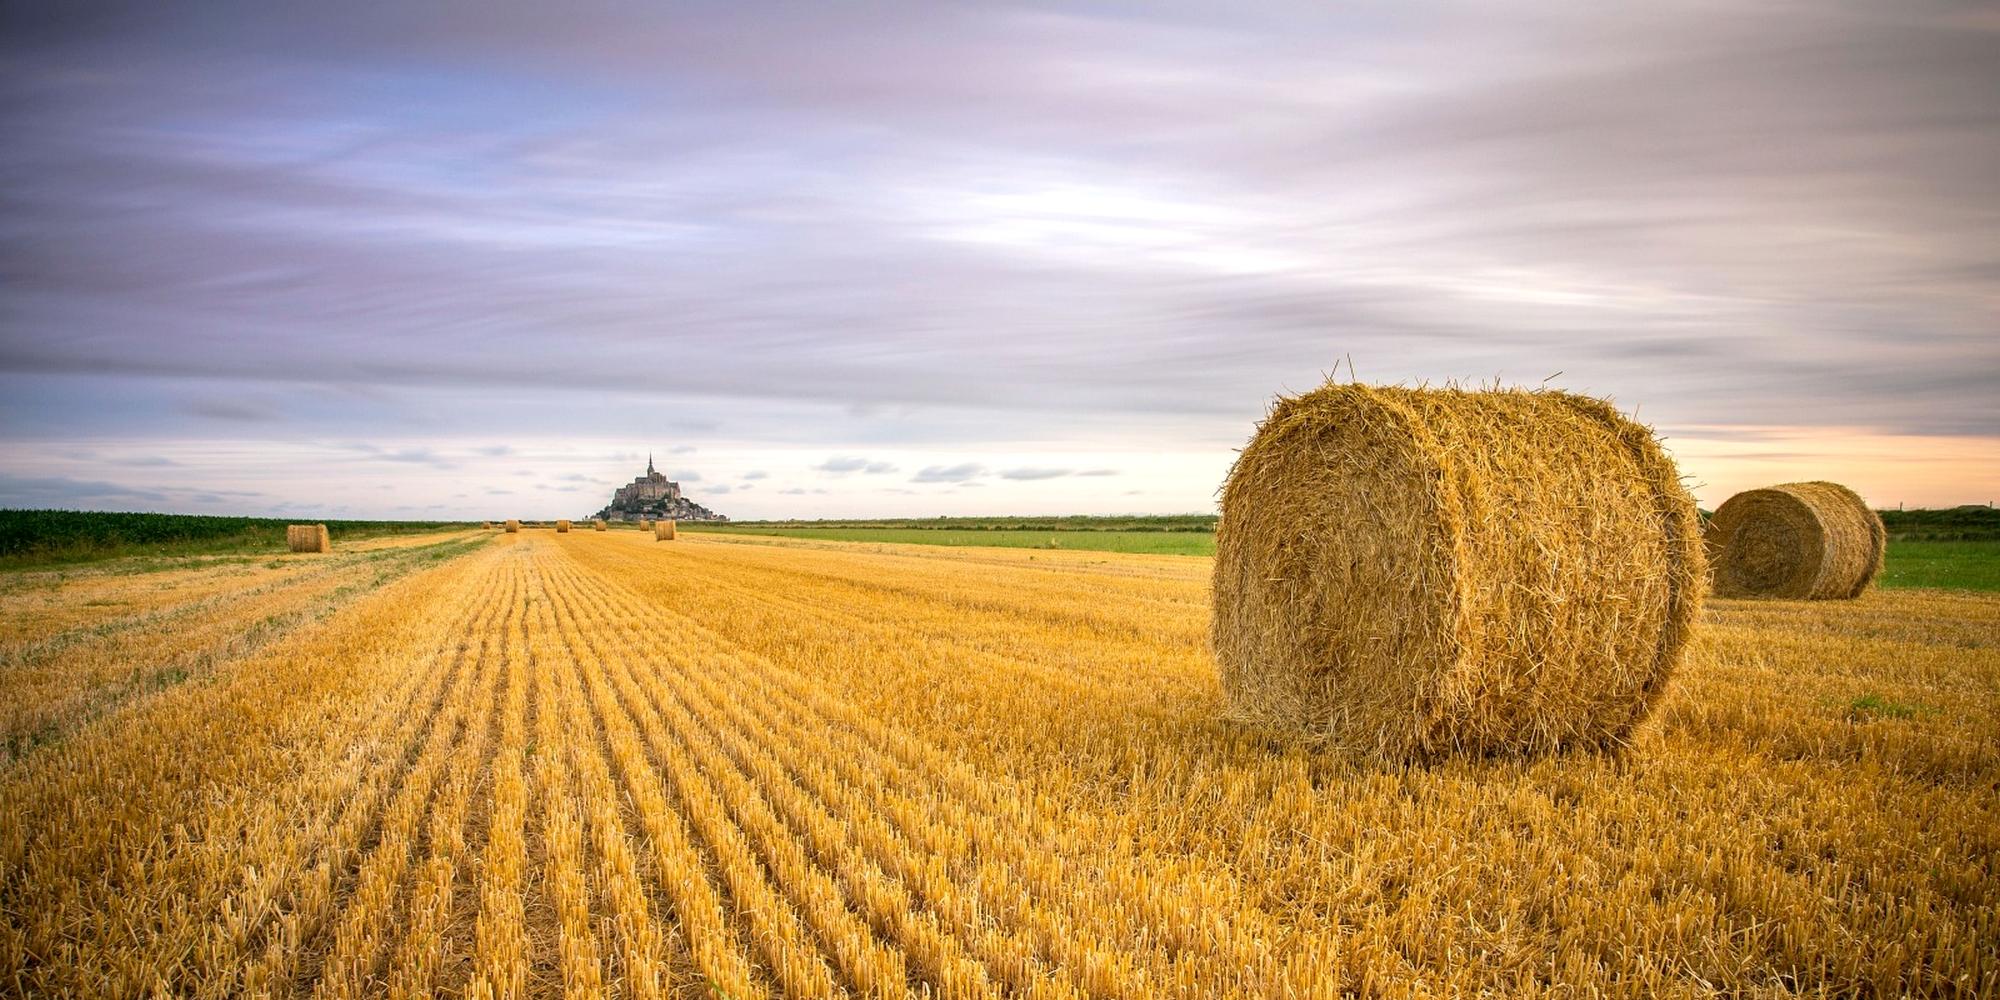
x: 308, y: 538
x: 1409, y: 573
x: 486, y: 525
x: 562, y: 526
x: 513, y: 526
x: 599, y: 525
x: 1802, y: 541
x: 663, y: 531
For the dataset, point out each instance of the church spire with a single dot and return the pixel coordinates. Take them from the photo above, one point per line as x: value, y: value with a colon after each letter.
x: 649, y: 463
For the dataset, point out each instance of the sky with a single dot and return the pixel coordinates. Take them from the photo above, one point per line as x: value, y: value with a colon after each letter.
x: 907, y: 259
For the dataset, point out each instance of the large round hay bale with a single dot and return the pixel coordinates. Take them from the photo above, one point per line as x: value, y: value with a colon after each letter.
x: 308, y: 538
x: 513, y: 526
x: 562, y: 526
x: 663, y: 531
x: 598, y: 525
x: 1407, y: 573
x: 1803, y: 541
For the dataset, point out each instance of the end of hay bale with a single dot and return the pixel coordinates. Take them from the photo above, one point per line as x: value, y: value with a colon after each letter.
x: 562, y: 527
x: 1809, y: 541
x: 513, y: 526
x: 663, y: 531
x: 308, y: 538
x: 1410, y: 573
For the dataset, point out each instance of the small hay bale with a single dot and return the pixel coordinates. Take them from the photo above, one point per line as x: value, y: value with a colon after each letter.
x: 308, y: 538
x: 663, y: 531
x: 486, y: 525
x: 599, y: 525
x: 562, y: 527
x: 1409, y: 573
x: 1801, y: 541
x: 513, y: 526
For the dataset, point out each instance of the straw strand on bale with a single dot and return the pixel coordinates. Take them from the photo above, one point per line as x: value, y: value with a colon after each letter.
x: 663, y: 531
x: 1406, y: 573
x: 308, y: 538
x: 1803, y: 541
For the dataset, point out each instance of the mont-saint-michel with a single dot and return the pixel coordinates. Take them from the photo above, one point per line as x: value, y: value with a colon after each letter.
x: 654, y: 497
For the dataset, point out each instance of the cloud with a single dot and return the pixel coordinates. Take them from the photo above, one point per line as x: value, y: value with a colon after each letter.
x: 793, y: 492
x: 842, y: 465
x: 1098, y: 472
x: 686, y: 477
x: 494, y: 450
x: 234, y: 410
x: 409, y: 456
x: 949, y: 473
x: 1034, y: 473
x: 682, y: 449
x: 64, y: 492
x: 756, y: 474
x: 717, y: 490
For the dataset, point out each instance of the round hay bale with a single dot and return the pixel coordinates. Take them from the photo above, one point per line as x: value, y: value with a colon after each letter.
x: 513, y: 526
x: 562, y: 527
x: 1802, y: 541
x: 599, y: 525
x: 308, y: 538
x: 1408, y: 573
x: 663, y: 531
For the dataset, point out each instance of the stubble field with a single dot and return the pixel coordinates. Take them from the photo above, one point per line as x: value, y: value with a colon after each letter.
x: 594, y: 765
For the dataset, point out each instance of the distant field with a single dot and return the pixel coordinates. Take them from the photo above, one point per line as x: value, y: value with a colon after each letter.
x: 1178, y: 543
x: 30, y: 538
x: 1971, y: 565
x: 1950, y: 565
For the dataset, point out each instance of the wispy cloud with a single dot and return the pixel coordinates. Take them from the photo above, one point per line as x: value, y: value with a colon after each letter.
x: 842, y: 465
x: 1033, y: 473
x: 949, y: 473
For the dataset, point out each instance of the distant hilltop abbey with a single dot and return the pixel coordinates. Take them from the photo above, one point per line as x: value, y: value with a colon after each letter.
x: 654, y: 497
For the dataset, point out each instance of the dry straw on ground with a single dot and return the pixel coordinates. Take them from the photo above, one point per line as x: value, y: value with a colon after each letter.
x: 308, y: 538
x: 599, y: 525
x: 562, y: 526
x: 513, y: 526
x: 663, y: 531
x: 1407, y: 573
x: 1804, y: 541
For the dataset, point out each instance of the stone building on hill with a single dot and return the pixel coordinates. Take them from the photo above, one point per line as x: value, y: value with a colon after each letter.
x: 652, y: 497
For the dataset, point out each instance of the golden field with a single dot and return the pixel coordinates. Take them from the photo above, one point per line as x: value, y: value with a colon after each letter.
x: 590, y: 764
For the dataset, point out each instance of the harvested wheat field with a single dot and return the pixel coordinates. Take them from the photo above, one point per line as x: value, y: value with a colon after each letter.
x: 541, y: 764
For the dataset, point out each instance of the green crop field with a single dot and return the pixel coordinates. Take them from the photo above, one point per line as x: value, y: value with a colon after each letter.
x: 30, y: 538
x: 1949, y: 565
